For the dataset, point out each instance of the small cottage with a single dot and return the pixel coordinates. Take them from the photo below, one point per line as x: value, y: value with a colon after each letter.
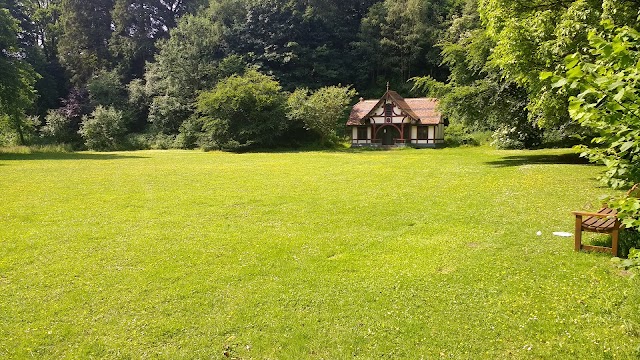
x: 395, y: 121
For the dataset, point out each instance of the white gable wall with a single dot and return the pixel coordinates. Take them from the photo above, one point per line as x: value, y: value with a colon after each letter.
x: 378, y: 115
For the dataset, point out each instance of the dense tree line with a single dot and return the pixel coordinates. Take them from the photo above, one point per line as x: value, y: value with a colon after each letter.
x: 495, y: 51
x: 139, y: 73
x: 150, y: 60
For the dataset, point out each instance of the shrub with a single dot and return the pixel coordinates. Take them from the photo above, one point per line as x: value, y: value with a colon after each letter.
x: 75, y: 106
x: 458, y: 134
x: 137, y: 141
x: 481, y: 137
x: 191, y: 134
x: 104, y: 130
x: 146, y: 141
x: 138, y: 105
x: 28, y: 132
x: 59, y: 128
x: 565, y: 136
x: 167, y: 113
x: 628, y: 207
x: 35, y: 149
x: 242, y: 111
x: 322, y: 111
x: 629, y: 239
x: 163, y: 142
x: 632, y: 263
x: 521, y: 136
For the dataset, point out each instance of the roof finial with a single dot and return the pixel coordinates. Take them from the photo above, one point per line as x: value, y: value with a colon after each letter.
x: 387, y: 86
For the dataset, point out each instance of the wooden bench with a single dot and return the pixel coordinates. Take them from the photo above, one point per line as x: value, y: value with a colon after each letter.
x: 604, y: 221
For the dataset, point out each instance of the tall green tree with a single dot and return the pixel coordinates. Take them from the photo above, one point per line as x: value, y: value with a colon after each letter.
x: 303, y: 43
x: 399, y: 39
x: 84, y: 44
x: 187, y: 63
x: 138, y: 25
x: 38, y: 23
x: 476, y: 94
x: 608, y: 100
x: 38, y: 37
x: 535, y: 35
x: 607, y: 81
x: 17, y: 77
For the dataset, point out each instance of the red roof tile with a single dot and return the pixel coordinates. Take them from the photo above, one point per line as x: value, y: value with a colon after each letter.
x: 360, y: 110
x: 426, y: 110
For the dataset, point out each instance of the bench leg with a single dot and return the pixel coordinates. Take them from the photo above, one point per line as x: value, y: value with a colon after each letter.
x: 578, y: 244
x: 614, y: 240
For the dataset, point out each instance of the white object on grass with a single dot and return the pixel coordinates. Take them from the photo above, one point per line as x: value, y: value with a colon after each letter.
x: 539, y: 233
x: 562, y: 233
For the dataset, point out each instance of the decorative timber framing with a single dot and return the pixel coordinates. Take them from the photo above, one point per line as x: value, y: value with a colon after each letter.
x: 395, y: 121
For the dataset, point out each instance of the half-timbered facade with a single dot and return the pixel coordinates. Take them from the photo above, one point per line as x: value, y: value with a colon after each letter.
x: 395, y: 121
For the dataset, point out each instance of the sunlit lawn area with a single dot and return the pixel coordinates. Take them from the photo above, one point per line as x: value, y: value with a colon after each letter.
x: 322, y: 255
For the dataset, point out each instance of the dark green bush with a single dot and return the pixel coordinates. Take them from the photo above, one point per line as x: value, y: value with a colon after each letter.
x: 458, y: 135
x: 629, y: 239
x: 104, y: 130
x: 242, y: 111
x: 60, y: 129
x: 166, y: 113
x: 191, y: 134
x: 28, y: 127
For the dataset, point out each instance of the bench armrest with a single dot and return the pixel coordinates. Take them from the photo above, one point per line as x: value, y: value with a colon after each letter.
x: 586, y: 213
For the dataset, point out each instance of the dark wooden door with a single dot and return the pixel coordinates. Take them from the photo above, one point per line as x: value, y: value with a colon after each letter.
x: 389, y: 133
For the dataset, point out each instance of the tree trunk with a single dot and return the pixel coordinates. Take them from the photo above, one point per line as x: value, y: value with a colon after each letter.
x: 18, y: 126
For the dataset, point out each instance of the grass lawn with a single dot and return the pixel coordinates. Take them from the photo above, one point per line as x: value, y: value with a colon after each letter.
x: 321, y: 255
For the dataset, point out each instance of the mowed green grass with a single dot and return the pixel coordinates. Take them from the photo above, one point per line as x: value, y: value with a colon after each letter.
x: 322, y: 255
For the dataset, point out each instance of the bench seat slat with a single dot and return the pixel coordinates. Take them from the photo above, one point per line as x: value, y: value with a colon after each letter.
x: 600, y: 224
x: 607, y: 211
x: 590, y: 221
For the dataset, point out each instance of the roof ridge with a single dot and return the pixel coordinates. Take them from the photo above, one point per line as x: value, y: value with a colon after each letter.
x: 402, y: 104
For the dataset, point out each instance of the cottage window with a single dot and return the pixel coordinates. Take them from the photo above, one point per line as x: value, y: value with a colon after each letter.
x: 362, y: 133
x: 423, y: 132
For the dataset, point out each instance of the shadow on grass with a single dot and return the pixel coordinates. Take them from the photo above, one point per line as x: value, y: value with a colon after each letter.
x: 337, y: 149
x: 519, y: 160
x: 603, y: 240
x: 65, y: 156
x: 294, y: 150
x: 309, y: 150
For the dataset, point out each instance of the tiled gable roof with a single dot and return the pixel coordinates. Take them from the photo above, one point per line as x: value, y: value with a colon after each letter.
x: 426, y: 109
x: 360, y: 110
x: 422, y: 110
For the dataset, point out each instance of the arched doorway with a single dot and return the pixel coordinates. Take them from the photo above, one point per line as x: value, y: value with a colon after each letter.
x: 389, y: 134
